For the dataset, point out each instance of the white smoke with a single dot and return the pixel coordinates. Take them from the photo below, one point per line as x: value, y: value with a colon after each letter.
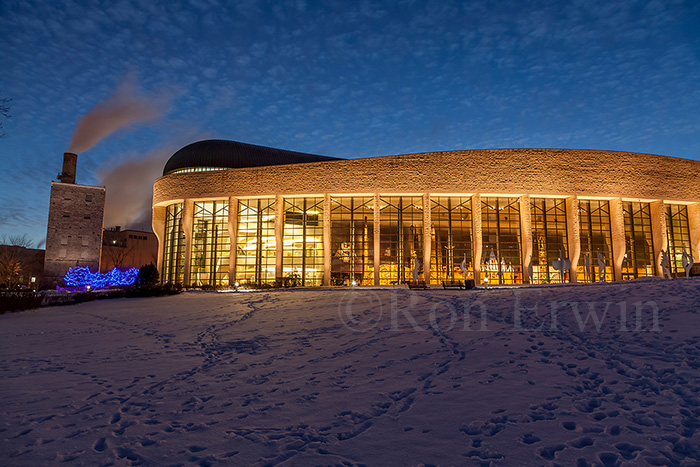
x: 121, y: 110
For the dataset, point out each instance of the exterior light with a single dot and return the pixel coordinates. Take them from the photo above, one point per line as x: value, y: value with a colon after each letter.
x: 236, y: 284
x: 354, y: 283
x: 33, y: 279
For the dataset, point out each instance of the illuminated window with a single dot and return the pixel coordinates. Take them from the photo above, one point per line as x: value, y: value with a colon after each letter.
x: 174, y: 248
x: 678, y: 235
x: 401, y: 238
x: 549, y: 240
x: 639, y: 244
x: 500, y: 226
x: 256, y: 243
x: 211, y: 246
x: 596, y: 237
x: 302, y: 251
x: 451, y: 238
x: 352, y: 241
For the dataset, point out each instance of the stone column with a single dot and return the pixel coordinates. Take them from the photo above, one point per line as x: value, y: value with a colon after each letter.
x: 327, y: 239
x: 279, y: 237
x: 694, y: 225
x: 427, y: 243
x: 158, y: 225
x: 187, y: 226
x: 573, y: 234
x: 658, y: 233
x: 525, y: 236
x: 617, y: 226
x: 376, y: 239
x: 233, y: 236
x: 477, y: 237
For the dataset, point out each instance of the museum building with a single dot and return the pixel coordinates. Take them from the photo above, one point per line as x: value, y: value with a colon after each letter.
x: 227, y: 212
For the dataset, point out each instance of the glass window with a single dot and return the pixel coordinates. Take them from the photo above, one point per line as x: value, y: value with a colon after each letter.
x: 549, y: 239
x: 500, y: 227
x: 302, y: 251
x: 173, y: 269
x: 352, y: 241
x: 256, y: 242
x: 211, y: 246
x: 639, y: 243
x: 401, y: 238
x: 596, y: 237
x: 678, y: 236
x: 451, y: 238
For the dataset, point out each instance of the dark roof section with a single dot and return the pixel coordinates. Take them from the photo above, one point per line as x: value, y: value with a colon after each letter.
x: 217, y: 153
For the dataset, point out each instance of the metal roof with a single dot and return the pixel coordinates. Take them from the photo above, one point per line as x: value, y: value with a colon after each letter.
x: 217, y: 153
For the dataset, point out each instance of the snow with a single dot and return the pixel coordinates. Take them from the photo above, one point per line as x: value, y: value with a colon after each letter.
x: 358, y: 376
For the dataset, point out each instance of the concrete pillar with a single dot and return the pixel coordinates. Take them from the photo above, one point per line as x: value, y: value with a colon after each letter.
x: 376, y: 238
x: 279, y: 237
x: 617, y: 226
x: 573, y: 234
x: 477, y: 237
x: 525, y: 236
x: 187, y: 226
x: 658, y: 232
x: 233, y: 236
x: 694, y: 225
x: 327, y: 240
x: 427, y: 243
x: 158, y: 226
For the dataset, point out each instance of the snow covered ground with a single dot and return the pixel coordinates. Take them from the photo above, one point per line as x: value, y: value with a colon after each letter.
x: 365, y: 376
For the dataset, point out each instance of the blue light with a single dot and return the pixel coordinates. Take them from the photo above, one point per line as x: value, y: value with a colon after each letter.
x: 81, y: 277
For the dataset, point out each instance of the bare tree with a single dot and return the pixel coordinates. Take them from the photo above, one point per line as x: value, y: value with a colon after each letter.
x: 5, y: 112
x: 13, y: 258
x: 118, y: 254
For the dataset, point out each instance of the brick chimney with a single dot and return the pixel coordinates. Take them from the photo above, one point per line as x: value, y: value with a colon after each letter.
x: 69, y: 162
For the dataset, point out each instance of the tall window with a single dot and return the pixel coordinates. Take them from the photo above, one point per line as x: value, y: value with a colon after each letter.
x: 174, y: 247
x: 451, y: 237
x: 401, y: 238
x: 678, y: 235
x: 302, y: 253
x: 500, y: 225
x: 211, y: 245
x: 256, y: 245
x: 596, y: 237
x: 639, y: 257
x: 352, y: 240
x: 549, y: 239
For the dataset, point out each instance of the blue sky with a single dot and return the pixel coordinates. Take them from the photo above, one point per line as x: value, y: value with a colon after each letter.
x: 339, y: 78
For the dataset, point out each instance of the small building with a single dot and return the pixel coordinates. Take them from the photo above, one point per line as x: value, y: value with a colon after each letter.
x: 124, y: 249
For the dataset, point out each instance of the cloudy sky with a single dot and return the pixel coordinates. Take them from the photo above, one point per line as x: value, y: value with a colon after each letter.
x: 338, y: 78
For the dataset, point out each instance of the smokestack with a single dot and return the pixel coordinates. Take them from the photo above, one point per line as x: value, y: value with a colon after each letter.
x: 69, y: 162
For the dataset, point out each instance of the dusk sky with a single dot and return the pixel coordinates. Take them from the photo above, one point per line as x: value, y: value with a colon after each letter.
x: 347, y: 79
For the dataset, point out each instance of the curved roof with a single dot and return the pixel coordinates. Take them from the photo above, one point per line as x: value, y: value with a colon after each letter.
x: 222, y: 154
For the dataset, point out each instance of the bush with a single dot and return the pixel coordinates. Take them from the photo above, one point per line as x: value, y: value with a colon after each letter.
x: 18, y: 300
x: 148, y: 277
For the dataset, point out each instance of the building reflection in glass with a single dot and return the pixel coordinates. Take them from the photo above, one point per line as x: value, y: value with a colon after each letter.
x: 302, y: 250
x: 596, y: 237
x: 500, y: 225
x: 639, y: 242
x: 401, y: 238
x: 451, y: 238
x: 255, y: 242
x: 211, y: 246
x: 173, y: 269
x: 352, y: 240
x: 549, y: 238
